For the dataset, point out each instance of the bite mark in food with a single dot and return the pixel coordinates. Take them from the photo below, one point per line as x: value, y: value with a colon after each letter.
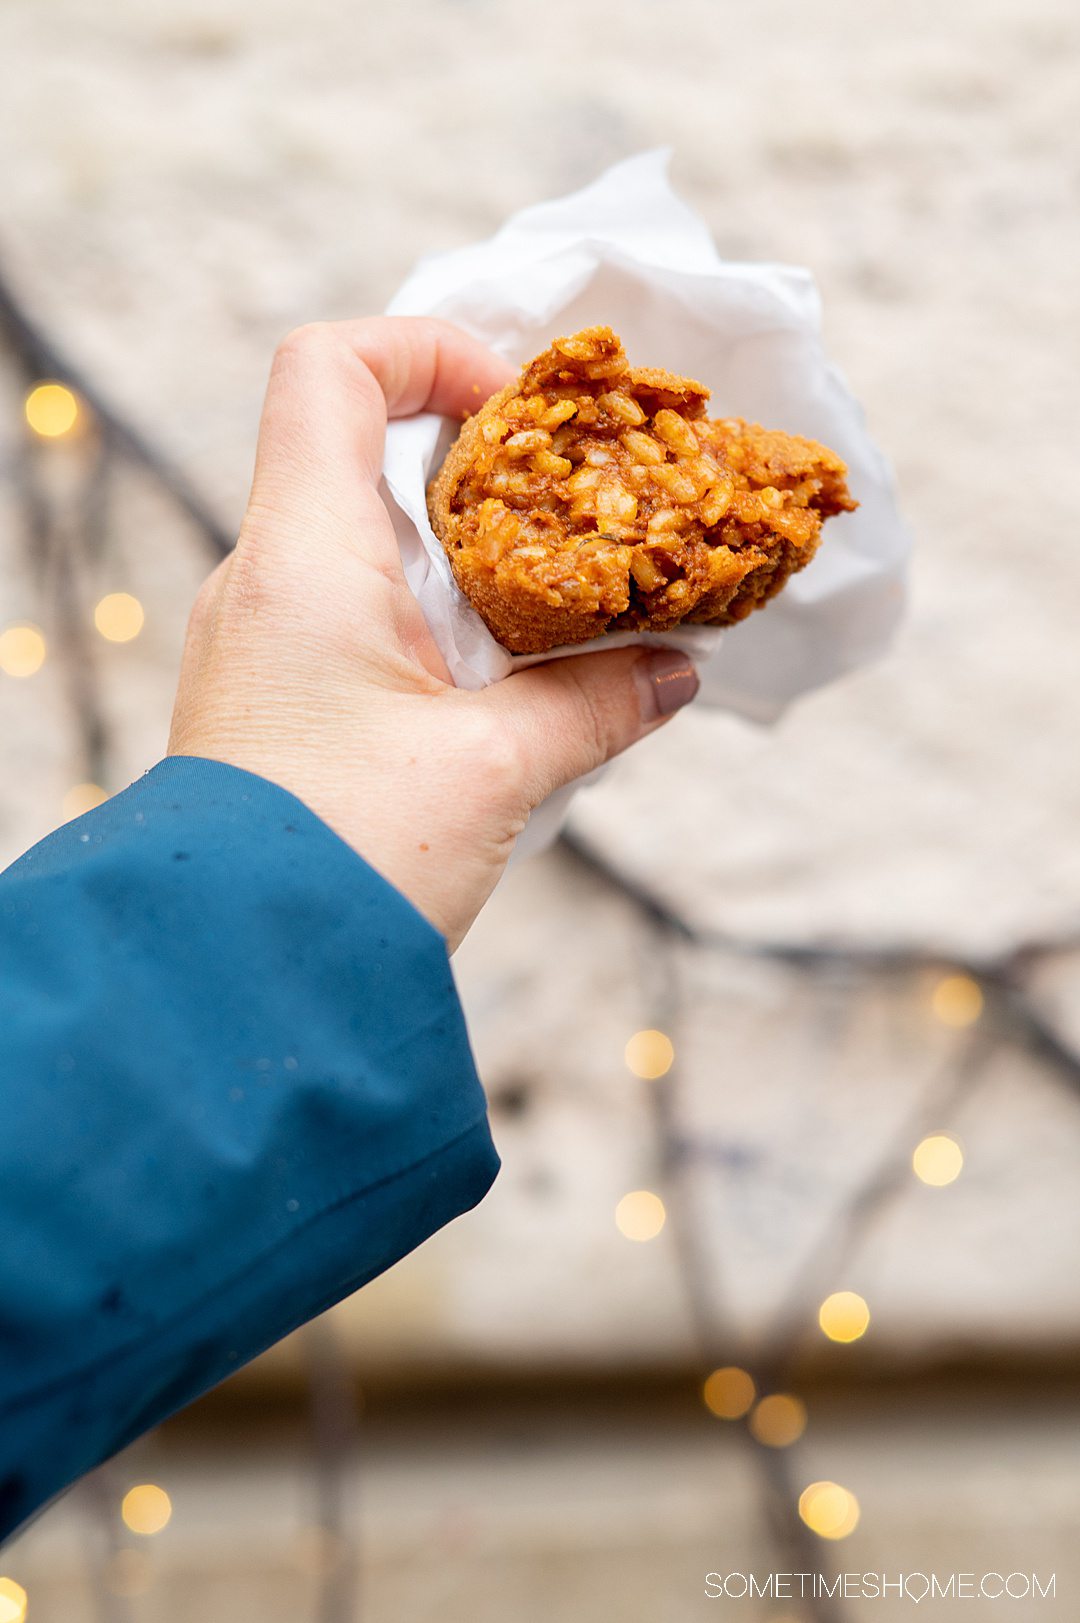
x: 592, y: 496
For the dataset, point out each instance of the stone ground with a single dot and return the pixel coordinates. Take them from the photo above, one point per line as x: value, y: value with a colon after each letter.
x: 185, y: 182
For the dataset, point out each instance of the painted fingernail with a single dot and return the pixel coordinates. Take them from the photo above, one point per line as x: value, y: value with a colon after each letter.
x: 665, y: 681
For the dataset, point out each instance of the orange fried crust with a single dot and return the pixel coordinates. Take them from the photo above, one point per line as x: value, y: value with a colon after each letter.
x: 593, y: 496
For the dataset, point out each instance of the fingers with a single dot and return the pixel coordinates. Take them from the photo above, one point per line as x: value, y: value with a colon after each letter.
x: 332, y: 387
x: 425, y: 365
x: 569, y: 716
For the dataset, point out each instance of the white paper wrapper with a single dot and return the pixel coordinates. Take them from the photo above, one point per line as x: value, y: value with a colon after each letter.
x: 627, y: 252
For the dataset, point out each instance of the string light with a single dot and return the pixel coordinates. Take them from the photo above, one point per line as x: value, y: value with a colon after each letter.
x: 146, y: 1509
x: 779, y: 1420
x: 957, y: 1001
x: 51, y: 410
x: 938, y: 1160
x: 650, y: 1054
x: 640, y: 1215
x: 13, y: 1600
x: 82, y: 797
x: 22, y: 650
x: 844, y: 1316
x: 119, y: 617
x: 729, y: 1392
x: 829, y: 1510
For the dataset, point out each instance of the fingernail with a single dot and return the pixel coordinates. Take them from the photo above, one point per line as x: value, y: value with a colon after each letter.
x: 665, y: 682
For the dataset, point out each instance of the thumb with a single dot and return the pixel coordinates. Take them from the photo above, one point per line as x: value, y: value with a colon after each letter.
x: 571, y: 715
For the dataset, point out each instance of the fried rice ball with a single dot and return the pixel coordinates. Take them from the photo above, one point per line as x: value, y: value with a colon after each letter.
x: 592, y: 496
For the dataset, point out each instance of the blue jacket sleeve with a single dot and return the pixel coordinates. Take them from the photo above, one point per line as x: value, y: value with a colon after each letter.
x: 235, y: 1084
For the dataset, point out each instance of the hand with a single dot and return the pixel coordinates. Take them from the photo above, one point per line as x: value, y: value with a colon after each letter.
x: 309, y: 662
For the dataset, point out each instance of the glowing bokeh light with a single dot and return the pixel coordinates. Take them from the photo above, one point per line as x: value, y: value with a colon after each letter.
x: 640, y: 1215
x: 957, y: 1001
x: 650, y: 1054
x: 779, y: 1420
x: 829, y: 1510
x: 938, y: 1160
x: 52, y: 410
x: 146, y: 1509
x: 119, y: 617
x: 729, y: 1392
x: 844, y: 1316
x: 22, y: 650
x: 13, y: 1601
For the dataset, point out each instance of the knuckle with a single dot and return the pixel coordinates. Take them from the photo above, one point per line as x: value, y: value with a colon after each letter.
x: 306, y: 339
x: 204, y: 608
x: 327, y: 350
x: 248, y: 589
x: 427, y: 331
x: 498, y: 756
x: 205, y: 597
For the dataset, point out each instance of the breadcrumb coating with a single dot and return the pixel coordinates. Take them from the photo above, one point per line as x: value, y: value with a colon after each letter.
x: 593, y: 496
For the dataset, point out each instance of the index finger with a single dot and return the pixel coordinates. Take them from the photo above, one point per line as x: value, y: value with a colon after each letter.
x: 332, y: 387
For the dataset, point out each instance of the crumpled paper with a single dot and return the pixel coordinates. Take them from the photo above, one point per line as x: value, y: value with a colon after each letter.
x: 626, y: 251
